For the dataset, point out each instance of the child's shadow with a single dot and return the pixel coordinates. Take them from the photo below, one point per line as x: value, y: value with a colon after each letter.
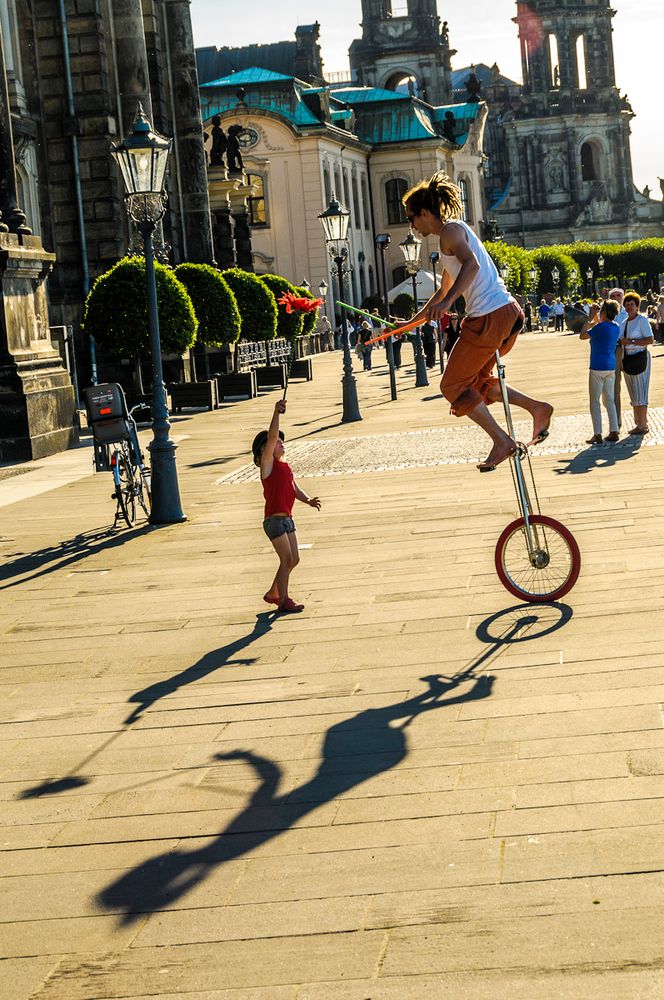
x: 599, y: 457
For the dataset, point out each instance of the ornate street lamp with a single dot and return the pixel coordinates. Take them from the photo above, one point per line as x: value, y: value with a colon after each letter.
x: 434, y: 257
x: 322, y: 289
x: 504, y: 272
x: 335, y: 226
x: 305, y: 284
x: 142, y: 158
x: 383, y: 241
x: 555, y: 274
x: 589, y: 278
x: 600, y: 265
x: 410, y: 248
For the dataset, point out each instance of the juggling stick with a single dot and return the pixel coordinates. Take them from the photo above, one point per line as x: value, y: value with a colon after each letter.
x: 402, y: 329
x: 392, y: 326
x: 354, y: 309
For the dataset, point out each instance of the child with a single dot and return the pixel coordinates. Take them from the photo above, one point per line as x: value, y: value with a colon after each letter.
x: 603, y: 333
x: 280, y: 491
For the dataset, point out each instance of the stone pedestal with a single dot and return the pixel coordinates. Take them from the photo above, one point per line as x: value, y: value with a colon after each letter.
x: 37, y: 407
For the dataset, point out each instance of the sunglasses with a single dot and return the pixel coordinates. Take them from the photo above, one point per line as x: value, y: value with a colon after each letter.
x: 411, y: 218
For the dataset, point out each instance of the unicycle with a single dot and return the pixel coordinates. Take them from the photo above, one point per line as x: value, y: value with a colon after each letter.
x: 537, y: 557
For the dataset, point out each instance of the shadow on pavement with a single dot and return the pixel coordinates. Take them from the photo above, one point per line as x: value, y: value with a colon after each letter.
x: 599, y: 456
x: 365, y: 745
x: 67, y: 553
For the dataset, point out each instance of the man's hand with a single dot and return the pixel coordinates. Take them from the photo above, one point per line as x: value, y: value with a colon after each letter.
x: 314, y: 502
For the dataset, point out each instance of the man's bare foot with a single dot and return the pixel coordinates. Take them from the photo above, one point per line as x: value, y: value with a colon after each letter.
x: 541, y: 421
x: 271, y: 598
x: 499, y: 453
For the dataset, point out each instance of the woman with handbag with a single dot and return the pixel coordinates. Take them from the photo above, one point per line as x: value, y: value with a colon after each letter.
x: 635, y: 336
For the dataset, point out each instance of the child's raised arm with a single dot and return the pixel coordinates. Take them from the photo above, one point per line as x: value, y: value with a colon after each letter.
x: 267, y: 458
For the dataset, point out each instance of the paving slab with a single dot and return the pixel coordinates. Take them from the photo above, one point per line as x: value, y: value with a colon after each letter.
x: 420, y: 787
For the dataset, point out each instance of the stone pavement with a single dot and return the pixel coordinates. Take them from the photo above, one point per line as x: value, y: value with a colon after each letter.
x: 418, y: 788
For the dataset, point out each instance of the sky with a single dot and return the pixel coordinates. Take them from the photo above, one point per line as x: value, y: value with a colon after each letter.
x: 480, y: 30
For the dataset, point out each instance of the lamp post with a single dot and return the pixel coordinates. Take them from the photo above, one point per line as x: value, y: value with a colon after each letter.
x: 142, y: 158
x: 434, y: 257
x: 305, y: 284
x: 335, y: 225
x: 383, y: 241
x: 589, y: 278
x: 410, y: 249
x: 555, y: 274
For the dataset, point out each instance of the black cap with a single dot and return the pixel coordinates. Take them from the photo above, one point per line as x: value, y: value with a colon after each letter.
x: 259, y: 443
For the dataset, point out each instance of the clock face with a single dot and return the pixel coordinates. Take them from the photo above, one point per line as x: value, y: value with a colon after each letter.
x: 247, y: 138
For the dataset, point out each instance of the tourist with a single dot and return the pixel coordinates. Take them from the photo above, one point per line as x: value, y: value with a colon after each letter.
x: 603, y: 333
x: 617, y: 295
x: 558, y: 315
x: 659, y: 319
x: 635, y: 337
x: 544, y: 315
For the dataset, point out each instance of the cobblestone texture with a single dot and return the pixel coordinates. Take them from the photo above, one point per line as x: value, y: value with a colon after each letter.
x: 437, y: 446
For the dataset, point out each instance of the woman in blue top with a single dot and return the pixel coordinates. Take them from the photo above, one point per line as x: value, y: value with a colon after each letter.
x: 603, y: 334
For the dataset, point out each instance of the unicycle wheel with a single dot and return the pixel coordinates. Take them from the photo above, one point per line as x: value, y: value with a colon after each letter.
x: 553, y: 568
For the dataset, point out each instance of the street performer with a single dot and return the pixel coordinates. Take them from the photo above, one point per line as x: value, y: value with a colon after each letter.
x: 492, y: 322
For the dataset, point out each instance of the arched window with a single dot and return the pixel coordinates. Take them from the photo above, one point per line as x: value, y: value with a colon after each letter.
x: 356, y: 203
x: 365, y: 202
x: 363, y: 284
x: 589, y: 162
x: 581, y: 62
x: 398, y: 275
x: 395, y: 189
x: 466, y: 200
x: 326, y: 184
x: 372, y: 281
x: 554, y: 62
x: 346, y: 191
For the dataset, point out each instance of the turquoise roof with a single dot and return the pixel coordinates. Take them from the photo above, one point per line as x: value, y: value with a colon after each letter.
x: 287, y: 105
x: 253, y: 75
x: 361, y: 95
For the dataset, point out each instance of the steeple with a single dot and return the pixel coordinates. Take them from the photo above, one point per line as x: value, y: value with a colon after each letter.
x: 404, y: 48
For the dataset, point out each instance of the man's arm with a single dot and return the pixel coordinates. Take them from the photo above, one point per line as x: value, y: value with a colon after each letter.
x: 442, y: 300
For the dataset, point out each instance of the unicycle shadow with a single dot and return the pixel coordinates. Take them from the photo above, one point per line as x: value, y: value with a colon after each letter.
x: 369, y: 743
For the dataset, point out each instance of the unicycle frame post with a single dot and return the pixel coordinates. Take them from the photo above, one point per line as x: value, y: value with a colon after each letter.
x: 522, y: 494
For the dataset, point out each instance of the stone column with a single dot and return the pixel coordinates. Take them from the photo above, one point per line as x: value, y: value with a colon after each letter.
x: 131, y: 61
x: 243, y: 251
x: 223, y: 237
x: 190, y: 152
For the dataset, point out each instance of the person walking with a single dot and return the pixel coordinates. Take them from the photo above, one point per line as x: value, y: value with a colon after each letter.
x: 635, y: 337
x: 559, y: 315
x: 365, y: 335
x: 492, y: 322
x: 544, y: 315
x: 429, y: 343
x: 659, y: 319
x: 617, y: 295
x: 603, y: 333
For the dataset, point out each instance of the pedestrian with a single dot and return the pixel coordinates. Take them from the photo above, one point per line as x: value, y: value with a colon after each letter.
x: 603, y: 333
x: 280, y: 491
x: 659, y: 319
x: 559, y: 315
x: 544, y: 315
x: 635, y: 336
x: 429, y: 343
x: 492, y: 322
x: 365, y: 335
x: 325, y: 334
x: 617, y: 295
x: 528, y: 313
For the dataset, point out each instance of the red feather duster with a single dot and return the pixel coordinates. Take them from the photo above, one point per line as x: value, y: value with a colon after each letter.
x: 293, y: 303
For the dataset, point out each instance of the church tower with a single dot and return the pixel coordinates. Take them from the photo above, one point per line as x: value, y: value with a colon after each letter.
x: 407, y: 45
x: 568, y: 141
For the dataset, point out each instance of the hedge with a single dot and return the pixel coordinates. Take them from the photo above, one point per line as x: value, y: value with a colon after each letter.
x: 289, y: 324
x: 257, y: 305
x: 219, y: 320
x: 116, y: 310
x: 309, y: 319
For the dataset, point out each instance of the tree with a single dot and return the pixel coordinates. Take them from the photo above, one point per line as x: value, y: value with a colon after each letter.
x: 403, y: 306
x: 309, y: 319
x: 289, y: 324
x: 219, y: 320
x: 257, y: 305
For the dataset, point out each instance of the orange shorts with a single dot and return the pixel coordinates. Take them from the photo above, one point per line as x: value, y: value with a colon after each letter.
x: 468, y: 379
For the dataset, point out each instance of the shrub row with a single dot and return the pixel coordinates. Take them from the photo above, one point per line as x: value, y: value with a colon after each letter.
x: 195, y: 303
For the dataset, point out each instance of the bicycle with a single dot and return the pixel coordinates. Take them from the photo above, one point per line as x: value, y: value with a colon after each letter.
x: 537, y: 558
x: 117, y: 449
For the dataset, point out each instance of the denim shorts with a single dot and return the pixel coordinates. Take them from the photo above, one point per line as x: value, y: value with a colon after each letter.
x: 275, y: 527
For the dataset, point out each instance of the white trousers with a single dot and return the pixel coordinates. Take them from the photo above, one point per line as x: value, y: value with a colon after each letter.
x: 601, y: 385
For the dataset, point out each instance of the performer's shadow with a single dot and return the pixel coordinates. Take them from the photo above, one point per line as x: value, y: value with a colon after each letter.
x: 367, y: 744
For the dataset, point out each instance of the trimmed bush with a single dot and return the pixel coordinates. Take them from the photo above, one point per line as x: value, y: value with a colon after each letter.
x: 289, y: 325
x: 309, y: 319
x: 257, y: 305
x: 116, y: 310
x: 546, y: 258
x: 374, y: 302
x: 216, y: 310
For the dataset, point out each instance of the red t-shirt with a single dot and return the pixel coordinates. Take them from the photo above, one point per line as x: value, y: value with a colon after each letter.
x: 279, y: 490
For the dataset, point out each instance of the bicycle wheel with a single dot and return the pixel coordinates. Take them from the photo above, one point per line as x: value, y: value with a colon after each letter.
x: 126, y: 492
x: 554, y: 568
x: 143, y: 489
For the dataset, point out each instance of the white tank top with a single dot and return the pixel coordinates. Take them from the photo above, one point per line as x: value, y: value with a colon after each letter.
x: 488, y: 291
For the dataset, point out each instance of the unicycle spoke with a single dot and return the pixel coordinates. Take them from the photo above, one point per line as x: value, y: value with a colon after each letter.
x: 547, y: 572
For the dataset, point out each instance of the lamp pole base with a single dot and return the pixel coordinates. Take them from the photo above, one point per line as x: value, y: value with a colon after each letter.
x: 421, y: 377
x: 165, y: 507
x: 351, y: 406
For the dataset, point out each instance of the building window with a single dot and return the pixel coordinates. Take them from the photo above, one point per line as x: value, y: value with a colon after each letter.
x: 365, y: 202
x: 356, y: 203
x: 398, y: 275
x: 363, y: 284
x: 372, y: 281
x: 581, y: 62
x: 589, y: 162
x: 256, y: 201
x: 466, y: 200
x: 346, y: 191
x: 554, y: 62
x: 326, y: 184
x: 395, y: 189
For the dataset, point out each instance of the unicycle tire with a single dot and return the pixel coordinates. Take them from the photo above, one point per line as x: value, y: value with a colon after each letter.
x: 531, y: 583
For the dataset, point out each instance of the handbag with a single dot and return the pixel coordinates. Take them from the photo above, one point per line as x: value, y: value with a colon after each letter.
x: 635, y: 364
